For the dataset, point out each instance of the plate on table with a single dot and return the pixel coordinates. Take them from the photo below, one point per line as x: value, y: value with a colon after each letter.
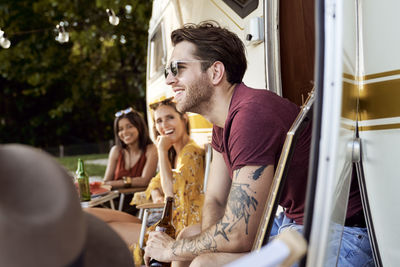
x: 99, y: 189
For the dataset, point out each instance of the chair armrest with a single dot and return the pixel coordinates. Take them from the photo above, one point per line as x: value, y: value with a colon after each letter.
x: 150, y: 206
x: 131, y: 190
x: 139, y: 198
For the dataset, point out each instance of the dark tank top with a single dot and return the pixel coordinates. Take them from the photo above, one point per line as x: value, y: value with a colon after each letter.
x: 135, y: 171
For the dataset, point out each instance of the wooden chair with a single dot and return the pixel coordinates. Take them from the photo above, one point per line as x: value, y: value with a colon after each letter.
x: 147, y: 208
x: 287, y: 248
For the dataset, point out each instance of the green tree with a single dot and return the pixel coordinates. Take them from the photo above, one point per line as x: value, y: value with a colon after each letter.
x: 65, y: 93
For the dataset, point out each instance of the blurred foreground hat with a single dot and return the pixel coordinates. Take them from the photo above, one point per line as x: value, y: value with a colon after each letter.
x: 41, y: 220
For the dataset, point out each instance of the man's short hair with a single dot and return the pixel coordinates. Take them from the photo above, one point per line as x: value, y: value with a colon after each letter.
x: 215, y: 43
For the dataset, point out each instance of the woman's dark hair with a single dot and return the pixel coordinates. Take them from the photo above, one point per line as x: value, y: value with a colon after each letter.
x: 170, y: 103
x: 214, y: 43
x: 137, y: 120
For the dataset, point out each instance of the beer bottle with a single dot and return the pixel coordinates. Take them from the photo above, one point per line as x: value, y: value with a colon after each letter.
x: 83, y: 182
x: 165, y: 225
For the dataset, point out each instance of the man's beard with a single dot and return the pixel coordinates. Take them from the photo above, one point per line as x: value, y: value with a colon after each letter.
x: 197, y: 96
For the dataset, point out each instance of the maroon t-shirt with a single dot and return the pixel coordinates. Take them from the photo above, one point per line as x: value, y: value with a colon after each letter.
x: 254, y: 133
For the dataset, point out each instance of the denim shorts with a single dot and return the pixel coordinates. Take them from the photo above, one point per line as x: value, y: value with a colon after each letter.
x: 355, y: 249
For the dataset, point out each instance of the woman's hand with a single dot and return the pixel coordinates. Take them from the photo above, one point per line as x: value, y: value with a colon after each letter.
x: 115, y: 183
x: 156, y: 196
x: 158, y: 200
x: 164, y: 142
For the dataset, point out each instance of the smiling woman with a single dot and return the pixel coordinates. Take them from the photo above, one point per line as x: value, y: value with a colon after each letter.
x: 133, y: 160
x: 171, y: 128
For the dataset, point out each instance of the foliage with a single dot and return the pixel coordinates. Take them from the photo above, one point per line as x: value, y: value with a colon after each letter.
x: 70, y: 163
x: 53, y: 93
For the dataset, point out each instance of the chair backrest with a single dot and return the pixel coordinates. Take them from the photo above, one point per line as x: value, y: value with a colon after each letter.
x: 207, y: 163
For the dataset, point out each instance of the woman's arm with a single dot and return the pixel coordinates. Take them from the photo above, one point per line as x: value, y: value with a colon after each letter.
x: 149, y: 168
x: 112, y: 163
x: 163, y: 145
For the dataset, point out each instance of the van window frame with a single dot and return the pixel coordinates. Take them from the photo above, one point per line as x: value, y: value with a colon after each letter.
x: 155, y: 72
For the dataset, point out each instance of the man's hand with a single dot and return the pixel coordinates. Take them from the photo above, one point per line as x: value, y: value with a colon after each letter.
x: 159, y: 247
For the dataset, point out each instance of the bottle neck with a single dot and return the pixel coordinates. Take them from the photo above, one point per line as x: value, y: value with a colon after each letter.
x: 80, y: 170
x: 167, y: 212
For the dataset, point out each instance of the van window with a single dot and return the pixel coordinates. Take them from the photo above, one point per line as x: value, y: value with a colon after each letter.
x: 242, y: 7
x: 157, y: 55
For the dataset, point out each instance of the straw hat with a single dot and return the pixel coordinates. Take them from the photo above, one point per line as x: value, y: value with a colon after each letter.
x: 41, y: 220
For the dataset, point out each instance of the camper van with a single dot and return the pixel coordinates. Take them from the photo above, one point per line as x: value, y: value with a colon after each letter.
x: 346, y: 52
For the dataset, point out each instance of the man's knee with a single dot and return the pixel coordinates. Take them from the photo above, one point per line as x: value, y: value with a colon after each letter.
x: 200, y: 261
x: 189, y: 231
x: 215, y: 259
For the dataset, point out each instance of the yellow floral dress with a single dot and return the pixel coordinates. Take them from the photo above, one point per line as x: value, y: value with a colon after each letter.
x: 187, y: 183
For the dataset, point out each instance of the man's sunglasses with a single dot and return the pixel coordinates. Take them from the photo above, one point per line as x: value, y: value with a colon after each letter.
x: 124, y: 111
x: 174, y: 66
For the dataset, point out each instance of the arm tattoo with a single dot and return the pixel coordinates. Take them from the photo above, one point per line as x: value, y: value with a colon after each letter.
x: 220, y: 229
x: 196, y: 245
x: 237, y: 173
x: 257, y: 173
x: 207, y: 243
x: 239, y: 205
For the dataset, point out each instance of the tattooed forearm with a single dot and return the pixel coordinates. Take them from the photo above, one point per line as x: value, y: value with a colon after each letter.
x: 196, y: 245
x: 207, y: 243
x: 257, y: 173
x: 239, y: 215
x: 175, y: 246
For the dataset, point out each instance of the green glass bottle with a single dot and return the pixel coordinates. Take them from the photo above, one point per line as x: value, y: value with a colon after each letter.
x: 83, y: 181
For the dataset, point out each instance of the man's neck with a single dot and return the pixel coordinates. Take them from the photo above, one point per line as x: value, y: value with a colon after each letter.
x: 220, y: 103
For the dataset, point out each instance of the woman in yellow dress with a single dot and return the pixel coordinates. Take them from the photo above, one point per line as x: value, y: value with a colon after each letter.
x: 185, y: 181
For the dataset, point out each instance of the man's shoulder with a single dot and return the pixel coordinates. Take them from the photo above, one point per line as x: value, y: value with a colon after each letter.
x: 251, y: 98
x: 262, y: 104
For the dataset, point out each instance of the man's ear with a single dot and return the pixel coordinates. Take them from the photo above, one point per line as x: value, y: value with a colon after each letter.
x: 217, y: 72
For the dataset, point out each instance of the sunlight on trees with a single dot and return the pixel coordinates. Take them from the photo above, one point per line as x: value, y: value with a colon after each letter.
x: 66, y: 93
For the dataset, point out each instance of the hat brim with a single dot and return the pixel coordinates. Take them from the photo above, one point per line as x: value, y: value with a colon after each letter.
x: 103, y: 246
x: 41, y: 220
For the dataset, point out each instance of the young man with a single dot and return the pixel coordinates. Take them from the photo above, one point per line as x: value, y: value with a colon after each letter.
x: 250, y: 126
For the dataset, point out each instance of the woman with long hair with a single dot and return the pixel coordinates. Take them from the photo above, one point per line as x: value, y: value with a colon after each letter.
x: 181, y: 163
x: 132, y: 160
